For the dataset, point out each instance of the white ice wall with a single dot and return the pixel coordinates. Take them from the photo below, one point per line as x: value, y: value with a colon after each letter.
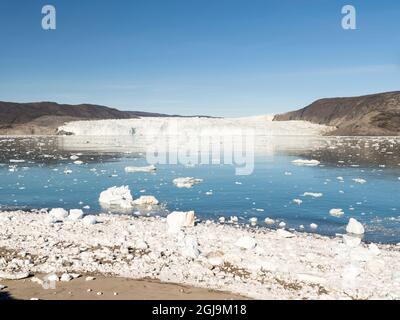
x: 261, y: 125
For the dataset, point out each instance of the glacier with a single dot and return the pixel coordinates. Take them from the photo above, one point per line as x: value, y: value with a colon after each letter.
x: 171, y: 126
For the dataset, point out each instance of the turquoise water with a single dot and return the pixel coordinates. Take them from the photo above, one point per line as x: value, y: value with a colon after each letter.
x: 40, y: 182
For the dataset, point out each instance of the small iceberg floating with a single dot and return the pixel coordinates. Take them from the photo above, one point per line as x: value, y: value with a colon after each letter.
x: 186, y: 182
x: 140, y: 169
x: 302, y: 162
x: 119, y: 197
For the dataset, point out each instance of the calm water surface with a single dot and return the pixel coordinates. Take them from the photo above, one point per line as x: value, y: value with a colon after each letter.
x: 40, y: 181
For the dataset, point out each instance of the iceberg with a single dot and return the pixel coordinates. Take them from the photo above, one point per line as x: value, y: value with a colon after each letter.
x: 117, y: 197
x: 186, y: 182
x: 140, y: 169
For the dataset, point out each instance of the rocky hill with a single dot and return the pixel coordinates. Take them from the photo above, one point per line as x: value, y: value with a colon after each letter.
x: 45, y: 117
x: 375, y: 114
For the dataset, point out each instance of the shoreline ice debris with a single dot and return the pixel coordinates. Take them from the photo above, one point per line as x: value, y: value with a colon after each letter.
x: 178, y: 220
x: 58, y: 213
x: 269, y: 221
x: 336, y: 213
x: 145, y: 201
x: 116, y: 197
x: 302, y: 162
x: 75, y: 214
x: 191, y: 248
x: 251, y: 273
x: 246, y: 242
x: 131, y: 169
x: 89, y: 220
x: 186, y: 182
x: 355, y: 227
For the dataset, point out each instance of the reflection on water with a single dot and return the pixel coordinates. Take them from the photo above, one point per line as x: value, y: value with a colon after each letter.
x: 39, y: 173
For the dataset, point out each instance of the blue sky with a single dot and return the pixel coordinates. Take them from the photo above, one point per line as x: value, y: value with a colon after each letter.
x: 216, y: 57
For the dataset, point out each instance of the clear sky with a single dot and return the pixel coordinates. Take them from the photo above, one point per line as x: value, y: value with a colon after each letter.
x: 216, y: 57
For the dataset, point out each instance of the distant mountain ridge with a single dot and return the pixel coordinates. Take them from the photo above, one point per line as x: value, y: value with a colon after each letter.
x: 369, y: 115
x: 46, y: 117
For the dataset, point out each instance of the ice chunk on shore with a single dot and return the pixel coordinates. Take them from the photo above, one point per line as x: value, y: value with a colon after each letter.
x: 59, y: 213
x: 191, y: 248
x: 131, y: 169
x: 65, y: 277
x: 246, y: 243
x: 117, y: 197
x: 302, y: 162
x: 178, y: 220
x: 285, y: 234
x: 75, y: 214
x: 145, y: 201
x: 269, y: 221
x: 351, y: 241
x: 186, y: 182
x: 355, y: 227
x: 14, y: 276
x: 89, y: 220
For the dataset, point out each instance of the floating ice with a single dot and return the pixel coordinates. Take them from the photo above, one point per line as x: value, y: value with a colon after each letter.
x: 302, y: 162
x: 146, y: 200
x: 359, y: 180
x: 298, y: 201
x: 336, y: 212
x: 312, y: 194
x: 355, y: 227
x: 117, y: 197
x: 313, y: 226
x: 140, y: 169
x: 186, y: 182
x: 178, y: 220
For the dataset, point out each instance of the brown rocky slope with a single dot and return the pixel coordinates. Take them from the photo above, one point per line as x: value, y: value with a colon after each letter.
x: 370, y: 115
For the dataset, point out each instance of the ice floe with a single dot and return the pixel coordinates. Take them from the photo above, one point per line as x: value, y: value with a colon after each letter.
x: 336, y: 212
x: 131, y: 169
x: 120, y: 197
x: 303, y: 162
x: 146, y: 200
x: 187, y: 182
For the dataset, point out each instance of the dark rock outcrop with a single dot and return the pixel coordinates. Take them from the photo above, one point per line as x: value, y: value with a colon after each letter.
x: 370, y: 115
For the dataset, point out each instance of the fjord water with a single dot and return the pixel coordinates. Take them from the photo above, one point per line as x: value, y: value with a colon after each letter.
x: 48, y: 178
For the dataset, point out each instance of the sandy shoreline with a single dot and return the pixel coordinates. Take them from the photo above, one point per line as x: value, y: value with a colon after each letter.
x: 107, y: 288
x: 266, y: 264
